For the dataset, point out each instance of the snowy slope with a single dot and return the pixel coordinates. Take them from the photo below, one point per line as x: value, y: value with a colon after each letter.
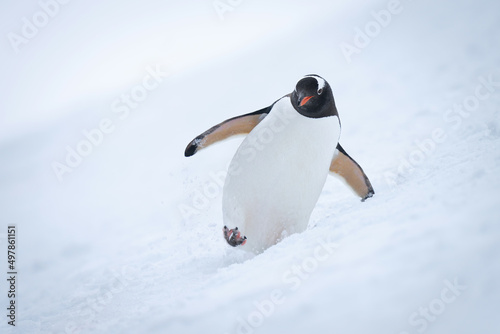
x: 130, y: 241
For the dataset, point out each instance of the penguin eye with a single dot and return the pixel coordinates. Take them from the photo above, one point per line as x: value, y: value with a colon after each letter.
x: 320, y: 91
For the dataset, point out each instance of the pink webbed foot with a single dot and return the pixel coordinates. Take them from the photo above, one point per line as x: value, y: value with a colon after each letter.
x: 233, y: 237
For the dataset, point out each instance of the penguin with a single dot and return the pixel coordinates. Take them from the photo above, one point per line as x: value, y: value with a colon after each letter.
x: 278, y: 172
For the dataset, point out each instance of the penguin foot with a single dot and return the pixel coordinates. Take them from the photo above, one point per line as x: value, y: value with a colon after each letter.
x: 233, y: 237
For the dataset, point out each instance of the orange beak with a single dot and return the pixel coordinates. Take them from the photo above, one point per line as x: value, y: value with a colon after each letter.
x: 305, y: 99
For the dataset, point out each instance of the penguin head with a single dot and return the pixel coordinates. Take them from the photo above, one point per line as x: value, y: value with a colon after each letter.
x: 313, y: 97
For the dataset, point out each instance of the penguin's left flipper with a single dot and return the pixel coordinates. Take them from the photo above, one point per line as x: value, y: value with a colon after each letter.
x: 234, y: 126
x: 352, y: 173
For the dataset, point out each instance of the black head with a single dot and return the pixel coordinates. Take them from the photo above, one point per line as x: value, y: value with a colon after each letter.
x: 313, y: 97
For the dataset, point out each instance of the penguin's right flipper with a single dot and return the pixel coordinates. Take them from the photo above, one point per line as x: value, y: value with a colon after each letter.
x: 352, y: 173
x: 234, y: 126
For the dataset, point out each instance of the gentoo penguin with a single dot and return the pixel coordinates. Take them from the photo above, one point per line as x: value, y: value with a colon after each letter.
x: 278, y: 172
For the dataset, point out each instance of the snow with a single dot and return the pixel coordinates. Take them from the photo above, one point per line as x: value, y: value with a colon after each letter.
x: 130, y: 240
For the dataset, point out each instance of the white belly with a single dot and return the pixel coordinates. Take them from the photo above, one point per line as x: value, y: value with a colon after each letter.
x: 277, y: 175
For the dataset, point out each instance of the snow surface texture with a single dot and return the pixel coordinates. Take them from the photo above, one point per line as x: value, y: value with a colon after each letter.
x: 107, y: 250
